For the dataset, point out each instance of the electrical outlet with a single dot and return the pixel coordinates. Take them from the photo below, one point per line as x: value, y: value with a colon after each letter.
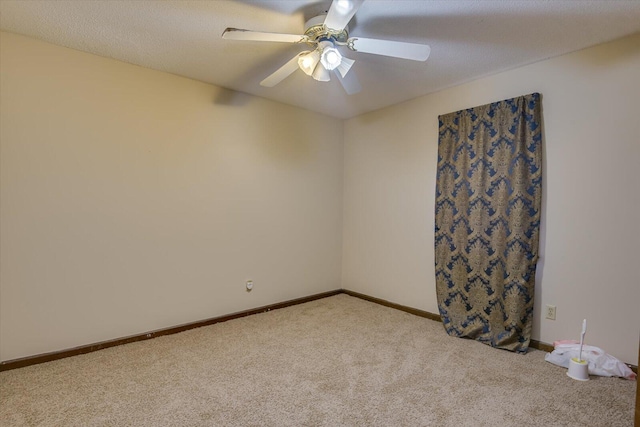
x: 249, y: 285
x: 551, y: 312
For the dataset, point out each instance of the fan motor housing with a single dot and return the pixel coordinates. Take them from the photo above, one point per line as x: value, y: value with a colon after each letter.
x: 315, y: 30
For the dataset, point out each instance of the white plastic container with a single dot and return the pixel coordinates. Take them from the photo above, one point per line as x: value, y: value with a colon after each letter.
x: 578, y: 369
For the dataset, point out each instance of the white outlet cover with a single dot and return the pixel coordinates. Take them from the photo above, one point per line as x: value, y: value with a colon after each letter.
x: 550, y: 312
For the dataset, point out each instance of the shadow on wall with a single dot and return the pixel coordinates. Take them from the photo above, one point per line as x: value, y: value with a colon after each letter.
x: 253, y: 75
x: 538, y: 300
x: 280, y: 132
x: 231, y: 98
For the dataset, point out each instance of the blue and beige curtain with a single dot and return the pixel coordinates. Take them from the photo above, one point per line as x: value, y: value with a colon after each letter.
x: 488, y: 198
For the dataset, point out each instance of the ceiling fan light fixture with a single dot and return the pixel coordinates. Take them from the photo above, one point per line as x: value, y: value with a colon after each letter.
x: 345, y: 66
x: 321, y: 74
x: 326, y: 33
x: 330, y: 57
x: 307, y: 61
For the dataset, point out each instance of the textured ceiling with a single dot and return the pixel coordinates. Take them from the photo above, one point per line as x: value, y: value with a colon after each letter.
x: 468, y: 39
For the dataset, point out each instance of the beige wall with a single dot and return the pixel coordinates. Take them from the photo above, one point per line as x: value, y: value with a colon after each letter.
x: 591, y: 198
x: 133, y: 200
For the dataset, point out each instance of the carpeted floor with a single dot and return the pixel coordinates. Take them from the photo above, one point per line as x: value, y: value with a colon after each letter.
x: 339, y: 361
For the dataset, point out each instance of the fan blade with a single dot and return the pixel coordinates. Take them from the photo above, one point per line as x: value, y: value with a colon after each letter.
x: 414, y: 51
x: 256, y: 36
x: 281, y: 73
x: 340, y: 13
x: 349, y: 82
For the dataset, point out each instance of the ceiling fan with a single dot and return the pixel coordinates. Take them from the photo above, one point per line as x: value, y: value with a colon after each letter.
x: 325, y: 34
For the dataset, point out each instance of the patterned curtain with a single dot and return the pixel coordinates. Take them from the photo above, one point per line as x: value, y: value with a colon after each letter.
x: 488, y: 197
